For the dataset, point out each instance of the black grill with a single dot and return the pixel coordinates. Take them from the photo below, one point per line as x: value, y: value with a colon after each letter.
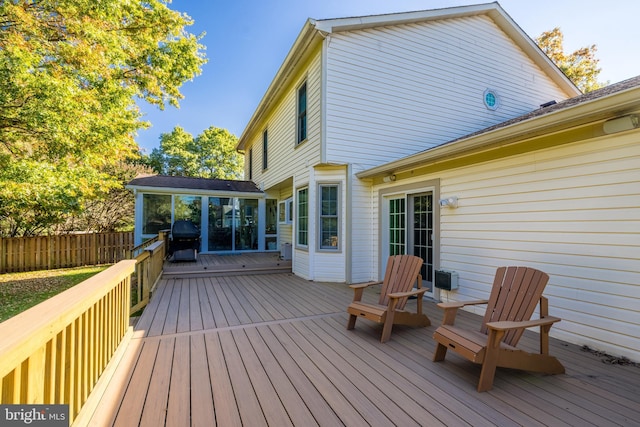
x: 185, y: 241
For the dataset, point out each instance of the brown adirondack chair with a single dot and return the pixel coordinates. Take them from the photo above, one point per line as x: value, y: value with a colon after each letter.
x: 514, y: 296
x: 401, y: 274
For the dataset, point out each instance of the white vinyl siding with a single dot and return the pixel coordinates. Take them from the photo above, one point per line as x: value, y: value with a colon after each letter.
x: 328, y: 265
x: 394, y: 91
x: 573, y: 212
x: 361, y: 232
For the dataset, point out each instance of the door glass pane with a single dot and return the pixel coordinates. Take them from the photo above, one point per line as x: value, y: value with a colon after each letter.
x: 422, y: 234
x: 220, y: 224
x: 271, y: 225
x: 397, y: 214
x: 247, y: 225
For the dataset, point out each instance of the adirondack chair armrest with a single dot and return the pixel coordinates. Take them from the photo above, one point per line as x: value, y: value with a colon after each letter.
x: 460, y: 304
x: 359, y: 288
x: 506, y: 324
x: 451, y: 309
x: 408, y: 293
x: 364, y: 285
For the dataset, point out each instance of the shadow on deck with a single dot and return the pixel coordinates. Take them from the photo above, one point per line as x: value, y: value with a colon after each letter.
x: 272, y: 349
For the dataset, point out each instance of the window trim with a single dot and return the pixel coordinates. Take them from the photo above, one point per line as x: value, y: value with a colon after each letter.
x: 284, y: 211
x: 338, y: 217
x: 265, y: 147
x: 298, y: 213
x: 251, y: 163
x: 301, y: 116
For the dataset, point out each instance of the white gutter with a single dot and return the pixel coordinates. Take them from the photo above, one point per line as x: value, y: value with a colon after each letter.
x: 195, y: 192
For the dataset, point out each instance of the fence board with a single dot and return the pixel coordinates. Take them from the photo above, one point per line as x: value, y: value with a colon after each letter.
x: 18, y: 254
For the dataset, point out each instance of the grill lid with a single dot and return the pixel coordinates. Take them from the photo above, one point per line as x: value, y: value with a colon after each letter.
x: 185, y: 229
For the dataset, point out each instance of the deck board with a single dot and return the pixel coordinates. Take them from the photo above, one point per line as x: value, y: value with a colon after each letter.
x: 226, y: 411
x: 179, y: 405
x: 273, y: 349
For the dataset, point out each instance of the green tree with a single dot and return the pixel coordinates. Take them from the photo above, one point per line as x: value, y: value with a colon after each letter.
x: 113, y: 208
x: 211, y: 154
x: 70, y: 72
x: 580, y: 66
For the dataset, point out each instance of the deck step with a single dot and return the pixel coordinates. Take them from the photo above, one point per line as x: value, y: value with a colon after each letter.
x: 230, y: 270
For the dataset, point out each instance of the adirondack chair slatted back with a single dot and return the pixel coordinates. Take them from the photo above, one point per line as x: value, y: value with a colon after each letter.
x: 514, y: 296
x: 401, y: 274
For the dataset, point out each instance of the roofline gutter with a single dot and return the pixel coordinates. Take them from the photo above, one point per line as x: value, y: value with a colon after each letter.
x: 599, y: 109
x: 193, y: 191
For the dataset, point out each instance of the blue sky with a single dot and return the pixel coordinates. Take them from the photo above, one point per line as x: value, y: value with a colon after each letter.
x: 247, y: 40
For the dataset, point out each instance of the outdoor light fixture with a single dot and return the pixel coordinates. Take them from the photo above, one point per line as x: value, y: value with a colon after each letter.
x: 389, y: 178
x: 620, y: 124
x: 449, y: 202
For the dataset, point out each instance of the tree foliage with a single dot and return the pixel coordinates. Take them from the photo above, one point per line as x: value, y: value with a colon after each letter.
x: 580, y: 66
x: 211, y: 154
x: 70, y: 72
x: 113, y: 208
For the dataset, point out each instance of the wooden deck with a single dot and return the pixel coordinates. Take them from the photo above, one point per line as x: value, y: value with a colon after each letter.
x: 272, y: 349
x: 232, y: 264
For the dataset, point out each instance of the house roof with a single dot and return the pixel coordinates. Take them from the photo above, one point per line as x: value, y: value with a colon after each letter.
x: 315, y: 31
x: 611, y: 101
x: 178, y: 183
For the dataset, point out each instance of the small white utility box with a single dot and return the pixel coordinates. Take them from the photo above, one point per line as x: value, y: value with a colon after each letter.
x: 285, y: 251
x: 446, y: 280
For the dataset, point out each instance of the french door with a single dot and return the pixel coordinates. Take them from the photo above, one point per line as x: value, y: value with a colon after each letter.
x: 410, y: 230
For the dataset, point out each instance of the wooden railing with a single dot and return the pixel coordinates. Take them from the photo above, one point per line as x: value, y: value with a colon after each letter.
x: 19, y: 254
x: 149, y: 265
x: 55, y: 352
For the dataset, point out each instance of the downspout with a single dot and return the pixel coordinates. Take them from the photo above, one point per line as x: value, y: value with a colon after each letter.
x: 348, y: 250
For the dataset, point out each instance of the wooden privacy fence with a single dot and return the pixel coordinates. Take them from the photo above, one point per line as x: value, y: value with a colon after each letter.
x: 19, y: 254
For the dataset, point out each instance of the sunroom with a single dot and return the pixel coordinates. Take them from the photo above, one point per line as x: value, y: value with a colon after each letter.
x: 233, y: 216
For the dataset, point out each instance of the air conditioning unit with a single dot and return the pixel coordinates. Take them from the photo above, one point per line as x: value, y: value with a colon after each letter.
x: 446, y: 280
x: 285, y: 251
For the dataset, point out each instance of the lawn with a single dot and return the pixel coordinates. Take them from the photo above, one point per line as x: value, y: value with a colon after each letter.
x: 20, y: 291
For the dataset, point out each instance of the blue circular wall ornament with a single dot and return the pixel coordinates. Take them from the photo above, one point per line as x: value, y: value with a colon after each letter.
x: 491, y: 100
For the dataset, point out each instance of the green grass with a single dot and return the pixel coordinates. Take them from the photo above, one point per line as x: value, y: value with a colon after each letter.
x: 20, y: 291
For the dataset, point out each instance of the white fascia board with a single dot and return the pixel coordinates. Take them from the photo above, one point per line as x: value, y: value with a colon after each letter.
x: 193, y: 192
x: 363, y: 22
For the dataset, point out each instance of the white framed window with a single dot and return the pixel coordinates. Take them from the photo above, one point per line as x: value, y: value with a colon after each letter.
x: 301, y: 126
x: 302, y: 219
x: 329, y: 216
x: 285, y: 211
